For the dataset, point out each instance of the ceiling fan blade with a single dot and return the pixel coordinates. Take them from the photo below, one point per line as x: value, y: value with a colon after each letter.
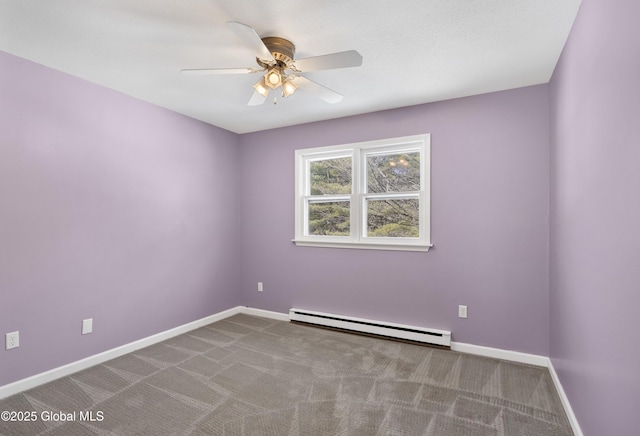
x: 316, y: 89
x: 256, y: 99
x: 344, y: 59
x: 216, y: 71
x: 252, y: 40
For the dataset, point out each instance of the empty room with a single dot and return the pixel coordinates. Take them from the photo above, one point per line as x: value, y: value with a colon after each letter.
x: 319, y: 218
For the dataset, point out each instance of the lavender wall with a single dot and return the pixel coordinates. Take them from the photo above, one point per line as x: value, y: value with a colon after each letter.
x: 489, y: 224
x: 110, y: 208
x: 595, y: 230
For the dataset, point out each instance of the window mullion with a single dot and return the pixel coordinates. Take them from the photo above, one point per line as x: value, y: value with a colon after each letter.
x: 356, y: 195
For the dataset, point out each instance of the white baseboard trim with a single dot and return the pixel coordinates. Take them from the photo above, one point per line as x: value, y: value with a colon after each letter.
x: 497, y: 353
x: 265, y: 313
x: 96, y: 359
x: 577, y: 431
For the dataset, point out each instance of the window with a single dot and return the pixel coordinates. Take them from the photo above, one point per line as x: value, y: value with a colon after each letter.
x: 371, y: 195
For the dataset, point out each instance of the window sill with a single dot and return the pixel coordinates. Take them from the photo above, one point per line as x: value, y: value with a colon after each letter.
x: 363, y: 245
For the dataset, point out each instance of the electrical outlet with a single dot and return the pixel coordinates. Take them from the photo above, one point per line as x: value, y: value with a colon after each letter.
x: 87, y: 326
x: 12, y: 340
x: 462, y: 311
x: 259, y: 286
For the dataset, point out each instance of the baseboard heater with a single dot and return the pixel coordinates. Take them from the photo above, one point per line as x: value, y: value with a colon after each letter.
x: 370, y: 327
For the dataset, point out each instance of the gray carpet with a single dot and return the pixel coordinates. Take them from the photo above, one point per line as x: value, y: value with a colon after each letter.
x: 255, y: 376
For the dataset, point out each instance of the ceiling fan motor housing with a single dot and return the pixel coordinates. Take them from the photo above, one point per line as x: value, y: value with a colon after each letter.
x: 283, y: 51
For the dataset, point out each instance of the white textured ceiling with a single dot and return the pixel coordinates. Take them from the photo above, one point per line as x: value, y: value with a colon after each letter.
x: 415, y: 51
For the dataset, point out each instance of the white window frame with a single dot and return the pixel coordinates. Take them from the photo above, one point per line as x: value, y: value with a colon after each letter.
x: 358, y: 196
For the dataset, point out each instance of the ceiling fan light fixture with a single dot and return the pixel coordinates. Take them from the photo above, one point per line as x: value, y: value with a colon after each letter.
x: 261, y: 87
x: 273, y: 78
x: 288, y: 87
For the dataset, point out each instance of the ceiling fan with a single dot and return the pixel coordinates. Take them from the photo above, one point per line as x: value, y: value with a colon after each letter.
x: 275, y: 57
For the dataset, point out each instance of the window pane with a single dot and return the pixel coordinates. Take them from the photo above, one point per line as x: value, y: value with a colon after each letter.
x: 393, y: 172
x: 393, y: 218
x: 330, y: 176
x: 329, y: 218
